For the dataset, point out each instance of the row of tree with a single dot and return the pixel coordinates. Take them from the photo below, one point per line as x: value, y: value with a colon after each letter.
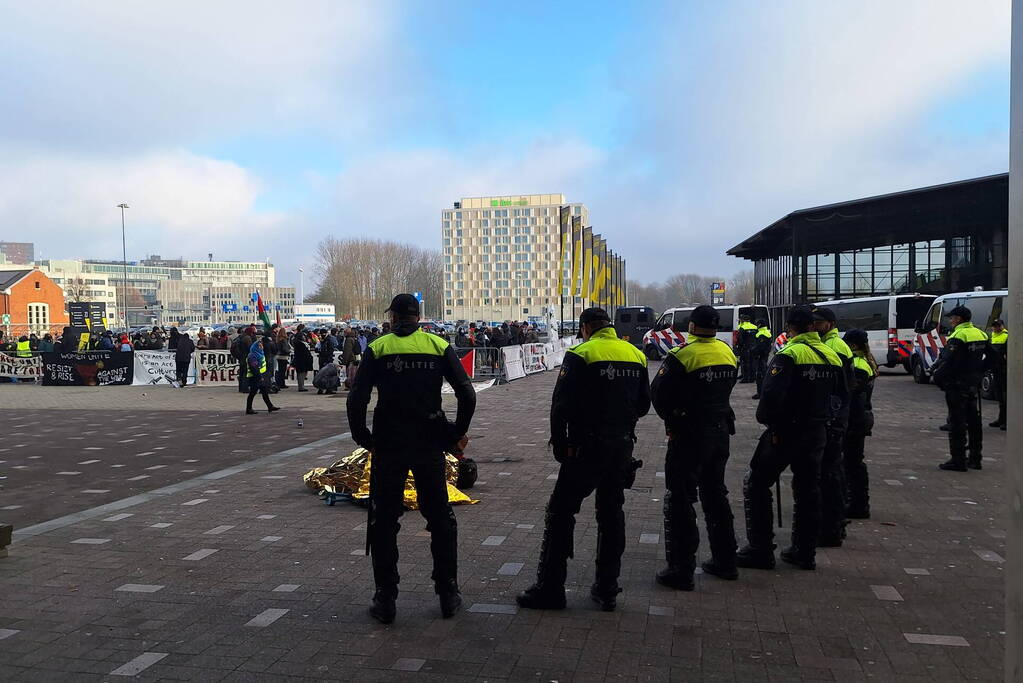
x: 359, y: 276
x: 690, y: 288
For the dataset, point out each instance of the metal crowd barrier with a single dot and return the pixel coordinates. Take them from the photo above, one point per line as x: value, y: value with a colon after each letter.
x: 489, y: 362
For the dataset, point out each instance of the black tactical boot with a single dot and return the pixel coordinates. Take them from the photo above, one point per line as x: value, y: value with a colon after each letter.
x: 797, y: 557
x: 945, y: 427
x: 974, y: 463
x: 752, y: 558
x: 996, y: 423
x: 450, y: 598
x: 541, y: 597
x: 676, y: 577
x: 830, y: 541
x: 383, y: 609
x: 720, y: 570
x: 953, y: 465
x: 605, y: 596
x: 549, y: 590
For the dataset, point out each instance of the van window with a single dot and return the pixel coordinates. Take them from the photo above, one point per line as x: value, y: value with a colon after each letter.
x: 908, y: 312
x: 625, y: 317
x: 681, y: 323
x: 643, y: 317
x: 981, y: 307
x: 933, y: 318
x: 861, y: 315
x: 727, y: 316
x: 664, y: 322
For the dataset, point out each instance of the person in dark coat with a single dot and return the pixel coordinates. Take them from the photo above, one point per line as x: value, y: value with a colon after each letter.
x: 182, y: 357
x: 172, y: 341
x: 303, y: 360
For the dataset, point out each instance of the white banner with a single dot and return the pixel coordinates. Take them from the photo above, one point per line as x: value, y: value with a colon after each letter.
x: 215, y: 367
x: 20, y: 368
x: 155, y: 367
x: 534, y: 358
x: 513, y: 368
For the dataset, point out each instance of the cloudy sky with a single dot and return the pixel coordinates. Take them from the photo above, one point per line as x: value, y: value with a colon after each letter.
x: 253, y: 129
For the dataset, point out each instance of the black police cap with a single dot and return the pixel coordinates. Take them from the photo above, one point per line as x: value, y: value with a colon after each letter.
x: 961, y: 311
x: 403, y: 304
x: 705, y: 316
x: 858, y: 337
x: 824, y: 314
x: 592, y: 315
x: 799, y: 315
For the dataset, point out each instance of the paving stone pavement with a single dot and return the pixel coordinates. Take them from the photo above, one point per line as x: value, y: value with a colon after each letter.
x: 196, y: 592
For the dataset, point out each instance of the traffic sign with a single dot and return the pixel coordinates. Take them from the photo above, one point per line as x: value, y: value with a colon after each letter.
x: 418, y: 296
x: 7, y: 318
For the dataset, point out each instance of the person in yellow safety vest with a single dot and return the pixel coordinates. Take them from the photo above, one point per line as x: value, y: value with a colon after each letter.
x: 691, y: 394
x: 832, y: 467
x: 255, y: 372
x: 861, y: 424
x: 958, y: 372
x: 801, y: 383
x: 746, y: 343
x: 24, y: 348
x: 761, y: 351
x: 999, y: 362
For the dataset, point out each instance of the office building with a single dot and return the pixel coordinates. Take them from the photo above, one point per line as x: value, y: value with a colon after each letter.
x: 501, y: 256
x: 931, y: 240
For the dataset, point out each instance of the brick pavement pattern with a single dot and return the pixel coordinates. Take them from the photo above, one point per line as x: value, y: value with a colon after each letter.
x: 248, y: 577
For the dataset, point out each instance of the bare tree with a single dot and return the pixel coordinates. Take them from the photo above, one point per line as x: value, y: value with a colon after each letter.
x: 740, y: 289
x: 360, y: 276
x: 74, y: 289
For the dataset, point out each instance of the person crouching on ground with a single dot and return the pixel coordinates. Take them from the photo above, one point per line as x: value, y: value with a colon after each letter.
x: 257, y: 374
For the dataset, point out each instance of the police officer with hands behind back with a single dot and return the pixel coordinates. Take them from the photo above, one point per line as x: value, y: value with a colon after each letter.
x: 804, y: 382
x: 691, y: 394
x: 958, y: 372
x: 410, y: 431
x: 602, y: 390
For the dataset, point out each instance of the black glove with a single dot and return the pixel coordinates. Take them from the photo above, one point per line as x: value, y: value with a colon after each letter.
x: 564, y: 452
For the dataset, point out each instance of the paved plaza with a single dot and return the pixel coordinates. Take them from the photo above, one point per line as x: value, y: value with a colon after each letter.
x: 218, y: 564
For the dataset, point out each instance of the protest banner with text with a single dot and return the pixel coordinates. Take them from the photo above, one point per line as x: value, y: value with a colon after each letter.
x: 91, y: 368
x: 13, y: 367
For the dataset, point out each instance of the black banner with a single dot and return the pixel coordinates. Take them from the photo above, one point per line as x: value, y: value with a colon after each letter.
x: 87, y: 316
x: 90, y: 369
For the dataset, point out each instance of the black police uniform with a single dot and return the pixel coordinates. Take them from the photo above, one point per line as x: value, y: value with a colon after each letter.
x: 959, y: 371
x: 761, y: 352
x: 861, y: 423
x: 802, y: 382
x: 833, y: 486
x: 691, y: 394
x: 999, y: 364
x: 746, y: 343
x: 410, y: 431
x: 602, y: 390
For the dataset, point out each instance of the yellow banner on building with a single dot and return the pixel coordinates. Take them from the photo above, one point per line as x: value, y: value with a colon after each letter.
x: 577, y: 255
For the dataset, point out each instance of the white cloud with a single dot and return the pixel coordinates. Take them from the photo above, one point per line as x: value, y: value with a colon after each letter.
x: 786, y: 105
x: 181, y: 204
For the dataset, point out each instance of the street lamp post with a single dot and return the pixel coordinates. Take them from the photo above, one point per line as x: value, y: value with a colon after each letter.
x: 124, y: 262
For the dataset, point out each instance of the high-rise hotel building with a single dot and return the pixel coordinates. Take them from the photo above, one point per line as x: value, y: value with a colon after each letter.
x: 501, y: 256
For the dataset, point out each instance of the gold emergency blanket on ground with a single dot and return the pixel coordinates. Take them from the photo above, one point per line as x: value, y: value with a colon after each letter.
x: 350, y: 475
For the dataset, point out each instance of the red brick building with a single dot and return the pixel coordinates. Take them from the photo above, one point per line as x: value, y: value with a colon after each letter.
x: 34, y: 302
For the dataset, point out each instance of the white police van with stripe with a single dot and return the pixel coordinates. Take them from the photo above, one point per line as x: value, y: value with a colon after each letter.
x: 672, y: 328
x: 932, y: 330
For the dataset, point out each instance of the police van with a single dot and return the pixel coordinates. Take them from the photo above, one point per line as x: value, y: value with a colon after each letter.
x: 889, y: 321
x: 933, y: 328
x: 672, y: 327
x: 632, y: 322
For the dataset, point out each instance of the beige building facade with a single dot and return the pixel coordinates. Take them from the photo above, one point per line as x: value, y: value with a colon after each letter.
x: 501, y: 257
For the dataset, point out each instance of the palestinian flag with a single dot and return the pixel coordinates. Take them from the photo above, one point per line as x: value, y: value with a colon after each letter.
x: 262, y: 311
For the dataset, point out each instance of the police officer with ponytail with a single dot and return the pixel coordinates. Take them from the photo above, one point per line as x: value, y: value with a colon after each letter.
x: 691, y: 394
x: 602, y: 390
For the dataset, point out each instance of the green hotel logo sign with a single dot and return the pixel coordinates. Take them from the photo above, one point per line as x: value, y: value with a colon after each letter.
x: 509, y: 202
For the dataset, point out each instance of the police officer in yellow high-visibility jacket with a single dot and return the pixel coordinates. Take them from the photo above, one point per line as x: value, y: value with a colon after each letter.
x: 24, y: 347
x: 746, y: 343
x: 410, y: 432
x: 761, y: 352
x: 804, y: 379
x: 1000, y: 367
x: 959, y: 371
x: 602, y: 390
x: 832, y: 465
x: 691, y: 394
